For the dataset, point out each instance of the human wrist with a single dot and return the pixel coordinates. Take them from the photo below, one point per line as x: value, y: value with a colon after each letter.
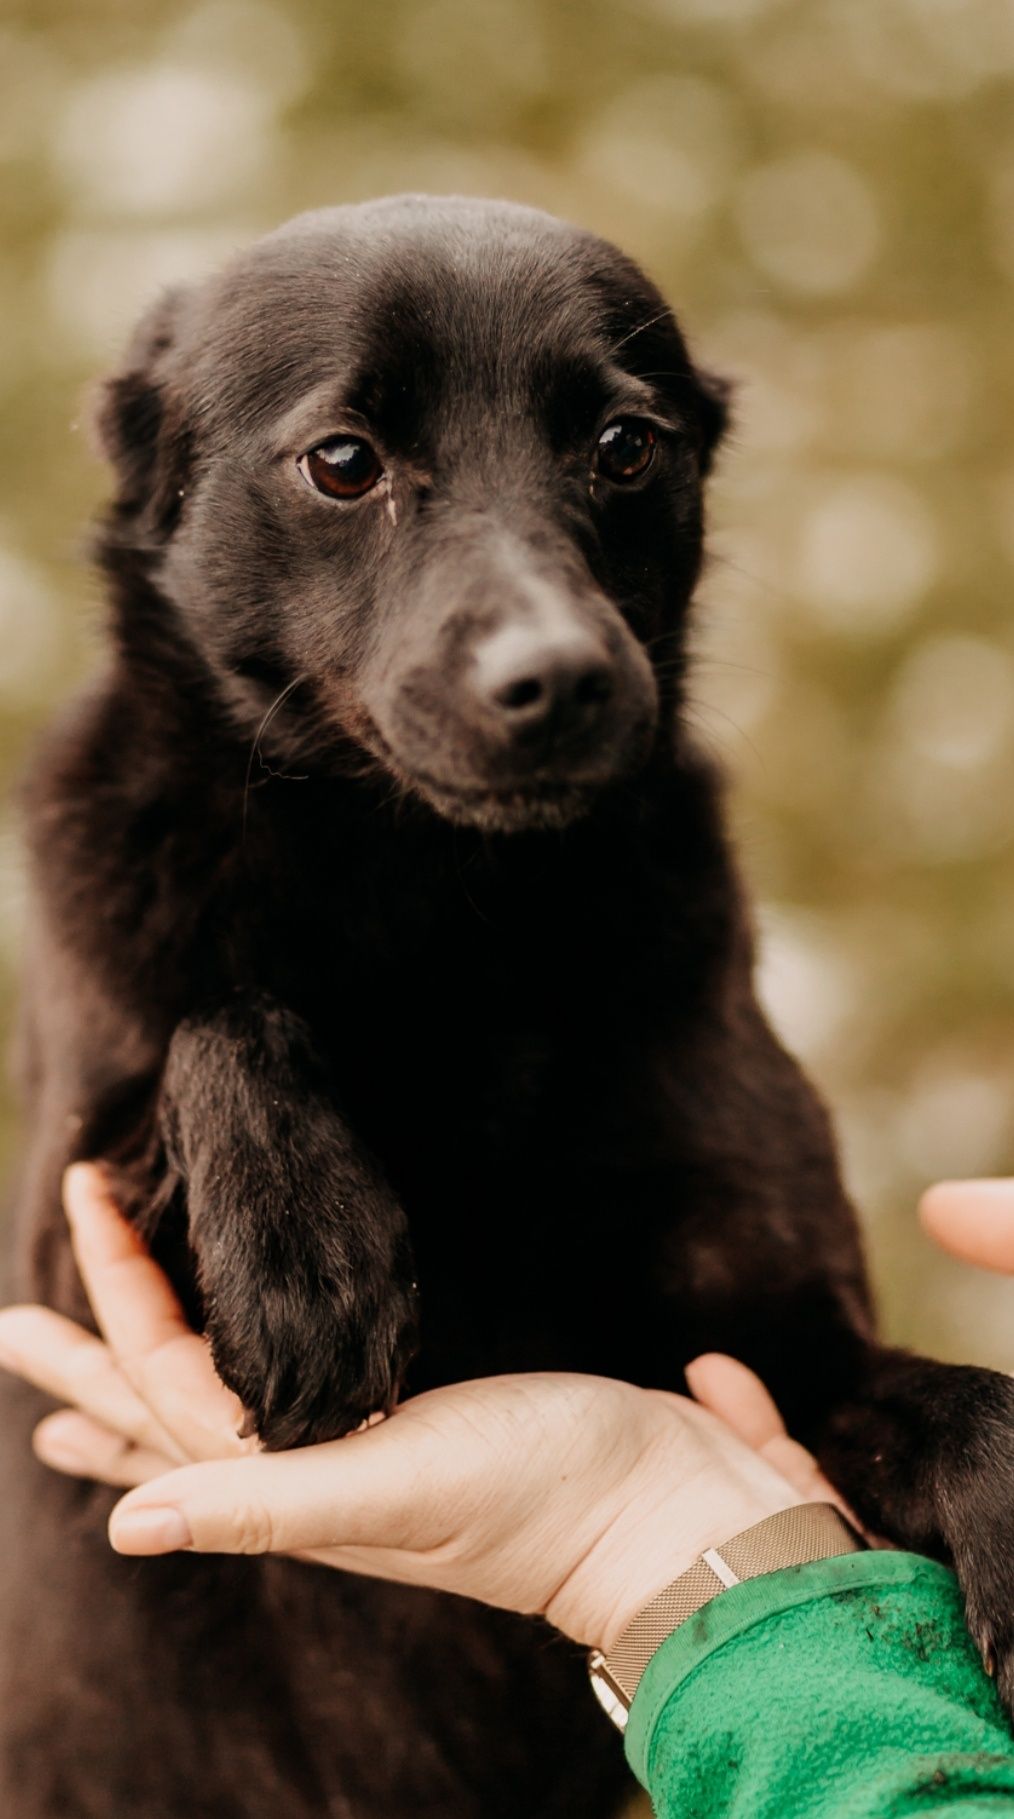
x: 694, y: 1487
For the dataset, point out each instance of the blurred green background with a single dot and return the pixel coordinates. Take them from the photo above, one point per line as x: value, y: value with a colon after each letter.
x: 825, y: 188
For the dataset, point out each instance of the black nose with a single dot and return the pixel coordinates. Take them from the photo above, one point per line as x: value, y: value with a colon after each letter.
x: 533, y: 683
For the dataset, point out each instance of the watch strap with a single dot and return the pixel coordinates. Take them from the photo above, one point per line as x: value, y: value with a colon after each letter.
x: 793, y: 1537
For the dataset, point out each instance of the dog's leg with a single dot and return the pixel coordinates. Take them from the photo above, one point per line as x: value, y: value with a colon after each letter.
x: 301, y: 1249
x: 765, y: 1262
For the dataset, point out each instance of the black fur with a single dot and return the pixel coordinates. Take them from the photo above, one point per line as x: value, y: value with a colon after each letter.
x: 362, y: 971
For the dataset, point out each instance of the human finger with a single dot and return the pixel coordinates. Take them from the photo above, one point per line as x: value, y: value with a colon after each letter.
x: 75, y: 1444
x: 137, y: 1309
x: 62, y: 1359
x: 738, y: 1397
x: 736, y: 1394
x: 973, y: 1220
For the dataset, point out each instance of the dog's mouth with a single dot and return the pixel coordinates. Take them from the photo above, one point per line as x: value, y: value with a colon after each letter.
x: 520, y: 805
x: 547, y: 799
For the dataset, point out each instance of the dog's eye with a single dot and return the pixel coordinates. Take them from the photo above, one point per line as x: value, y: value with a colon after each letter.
x: 626, y: 449
x: 344, y: 468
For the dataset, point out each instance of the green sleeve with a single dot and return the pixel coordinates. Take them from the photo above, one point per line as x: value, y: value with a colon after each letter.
x: 848, y: 1688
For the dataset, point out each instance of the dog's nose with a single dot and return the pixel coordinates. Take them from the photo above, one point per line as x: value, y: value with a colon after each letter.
x: 533, y: 682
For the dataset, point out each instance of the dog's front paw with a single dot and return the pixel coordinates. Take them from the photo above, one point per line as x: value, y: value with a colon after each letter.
x: 983, y: 1556
x: 311, y: 1356
x: 988, y: 1586
x: 925, y: 1456
x: 972, y: 1483
x: 301, y: 1248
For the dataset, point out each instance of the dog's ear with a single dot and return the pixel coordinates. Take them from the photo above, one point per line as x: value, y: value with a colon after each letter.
x: 714, y: 395
x: 141, y: 422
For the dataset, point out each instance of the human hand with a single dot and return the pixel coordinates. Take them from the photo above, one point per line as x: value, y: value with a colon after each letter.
x: 574, y: 1497
x: 973, y: 1220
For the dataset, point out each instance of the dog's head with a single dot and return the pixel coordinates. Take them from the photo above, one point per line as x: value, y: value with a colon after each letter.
x: 431, y: 468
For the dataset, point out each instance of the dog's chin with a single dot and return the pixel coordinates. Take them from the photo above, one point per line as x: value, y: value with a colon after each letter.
x: 539, y: 808
x: 539, y: 805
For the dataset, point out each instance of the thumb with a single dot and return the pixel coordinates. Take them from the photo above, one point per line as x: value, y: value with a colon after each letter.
x: 360, y: 1491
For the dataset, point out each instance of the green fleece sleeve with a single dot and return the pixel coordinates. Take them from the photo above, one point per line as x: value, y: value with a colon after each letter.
x: 848, y: 1688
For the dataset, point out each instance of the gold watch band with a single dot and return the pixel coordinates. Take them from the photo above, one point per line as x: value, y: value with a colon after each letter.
x: 812, y: 1531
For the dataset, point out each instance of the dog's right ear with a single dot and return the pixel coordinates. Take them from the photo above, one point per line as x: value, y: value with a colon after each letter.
x: 141, y: 423
x: 713, y: 408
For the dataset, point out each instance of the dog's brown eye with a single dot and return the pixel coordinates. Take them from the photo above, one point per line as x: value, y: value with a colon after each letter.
x: 625, y: 449
x: 345, y: 468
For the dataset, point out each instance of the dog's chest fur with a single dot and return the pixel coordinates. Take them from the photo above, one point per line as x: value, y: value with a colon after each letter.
x: 498, y: 1021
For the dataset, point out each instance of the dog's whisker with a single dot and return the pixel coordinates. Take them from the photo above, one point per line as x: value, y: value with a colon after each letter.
x: 694, y: 707
x: 255, y: 752
x: 717, y: 559
x: 640, y: 329
x: 469, y: 899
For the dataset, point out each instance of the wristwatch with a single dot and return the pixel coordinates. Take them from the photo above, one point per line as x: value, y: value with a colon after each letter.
x: 813, y: 1531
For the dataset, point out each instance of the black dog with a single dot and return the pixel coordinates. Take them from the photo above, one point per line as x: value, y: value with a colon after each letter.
x: 385, y: 932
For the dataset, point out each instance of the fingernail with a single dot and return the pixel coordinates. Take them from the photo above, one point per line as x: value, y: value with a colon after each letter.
x: 81, y: 1182
x: 51, y: 1443
x: 150, y: 1531
x: 75, y: 1192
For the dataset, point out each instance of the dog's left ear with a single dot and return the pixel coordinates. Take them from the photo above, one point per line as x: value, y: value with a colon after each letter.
x: 141, y: 423
x: 714, y: 395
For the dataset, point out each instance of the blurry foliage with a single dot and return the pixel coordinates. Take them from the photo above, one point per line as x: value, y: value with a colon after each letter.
x: 825, y: 188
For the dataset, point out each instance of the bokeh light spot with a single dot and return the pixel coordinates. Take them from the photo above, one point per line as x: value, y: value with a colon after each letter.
x: 158, y: 139
x: 809, y: 222
x: 868, y: 550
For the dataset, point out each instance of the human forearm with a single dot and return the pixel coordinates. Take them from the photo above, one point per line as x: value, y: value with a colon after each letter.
x: 848, y: 1687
